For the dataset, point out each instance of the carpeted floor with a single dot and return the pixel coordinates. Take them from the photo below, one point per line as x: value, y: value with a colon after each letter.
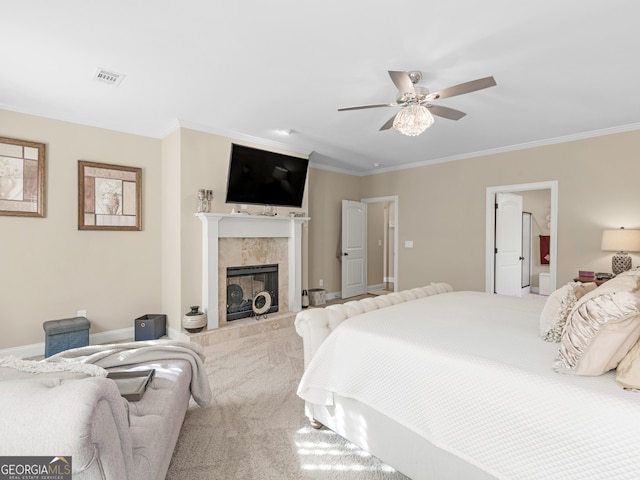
x: 256, y: 428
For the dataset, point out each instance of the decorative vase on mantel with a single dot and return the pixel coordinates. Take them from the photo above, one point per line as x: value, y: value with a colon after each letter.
x: 194, y: 321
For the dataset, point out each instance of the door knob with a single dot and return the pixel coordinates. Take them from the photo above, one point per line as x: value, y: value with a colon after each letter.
x: 521, y: 258
x: 345, y: 254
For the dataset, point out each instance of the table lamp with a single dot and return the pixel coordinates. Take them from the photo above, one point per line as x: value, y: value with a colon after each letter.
x: 621, y: 241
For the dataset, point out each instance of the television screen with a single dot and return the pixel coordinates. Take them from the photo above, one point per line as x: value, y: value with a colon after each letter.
x: 259, y: 177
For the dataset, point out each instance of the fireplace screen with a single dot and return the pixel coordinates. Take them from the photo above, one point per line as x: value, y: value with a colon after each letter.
x: 251, y: 291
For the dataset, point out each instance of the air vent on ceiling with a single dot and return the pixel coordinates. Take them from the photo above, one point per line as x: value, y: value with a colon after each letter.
x: 108, y: 77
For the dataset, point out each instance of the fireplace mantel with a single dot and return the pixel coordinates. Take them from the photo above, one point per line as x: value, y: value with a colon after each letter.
x: 220, y: 225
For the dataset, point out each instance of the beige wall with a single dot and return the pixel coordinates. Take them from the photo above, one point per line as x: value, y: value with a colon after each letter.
x: 390, y: 229
x: 375, y: 243
x: 537, y: 203
x: 442, y: 208
x: 326, y: 192
x: 205, y: 164
x: 171, y: 236
x: 49, y: 268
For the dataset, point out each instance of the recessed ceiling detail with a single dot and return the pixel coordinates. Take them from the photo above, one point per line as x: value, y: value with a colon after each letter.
x: 109, y: 77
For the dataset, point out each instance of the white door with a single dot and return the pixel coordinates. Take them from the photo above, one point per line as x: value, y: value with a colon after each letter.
x: 508, y: 253
x: 354, y: 248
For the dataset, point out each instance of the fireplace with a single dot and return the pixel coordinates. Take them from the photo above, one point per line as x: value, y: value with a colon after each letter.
x: 231, y: 239
x: 251, y: 291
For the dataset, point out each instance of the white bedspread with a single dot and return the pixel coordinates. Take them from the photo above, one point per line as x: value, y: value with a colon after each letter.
x: 468, y: 371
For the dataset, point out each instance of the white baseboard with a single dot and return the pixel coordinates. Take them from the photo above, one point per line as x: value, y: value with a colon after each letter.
x: 334, y: 295
x: 112, y: 336
x: 26, y: 351
x: 389, y: 279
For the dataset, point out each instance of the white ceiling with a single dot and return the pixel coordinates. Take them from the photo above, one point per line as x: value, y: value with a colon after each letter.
x: 564, y: 70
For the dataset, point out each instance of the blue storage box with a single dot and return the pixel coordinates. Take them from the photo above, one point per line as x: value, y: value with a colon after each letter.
x: 65, y: 334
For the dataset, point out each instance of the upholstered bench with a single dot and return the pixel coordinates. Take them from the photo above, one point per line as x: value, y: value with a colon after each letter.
x: 65, y: 404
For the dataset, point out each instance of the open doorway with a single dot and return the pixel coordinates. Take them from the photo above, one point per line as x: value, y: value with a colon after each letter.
x: 382, y: 241
x: 548, y: 190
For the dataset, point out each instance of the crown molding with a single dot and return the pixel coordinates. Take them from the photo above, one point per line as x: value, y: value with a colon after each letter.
x: 512, y: 148
x: 180, y: 123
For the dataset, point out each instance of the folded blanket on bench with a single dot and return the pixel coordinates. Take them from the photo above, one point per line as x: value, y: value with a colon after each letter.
x: 120, y: 354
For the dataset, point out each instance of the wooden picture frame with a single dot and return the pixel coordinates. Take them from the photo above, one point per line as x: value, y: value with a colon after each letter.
x: 109, y: 197
x: 22, y: 178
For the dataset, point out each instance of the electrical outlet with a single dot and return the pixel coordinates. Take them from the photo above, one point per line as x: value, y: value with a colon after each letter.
x: 321, y: 283
x: 408, y: 244
x: 81, y: 313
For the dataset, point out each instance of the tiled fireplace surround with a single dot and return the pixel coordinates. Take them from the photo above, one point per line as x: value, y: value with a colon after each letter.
x: 231, y: 240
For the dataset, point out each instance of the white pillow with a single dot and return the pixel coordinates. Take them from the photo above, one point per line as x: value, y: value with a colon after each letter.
x: 558, y: 307
x: 634, y: 272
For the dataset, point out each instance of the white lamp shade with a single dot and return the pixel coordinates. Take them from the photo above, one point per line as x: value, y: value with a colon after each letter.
x: 621, y: 240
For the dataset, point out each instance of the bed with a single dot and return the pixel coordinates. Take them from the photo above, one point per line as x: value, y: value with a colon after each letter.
x: 460, y: 385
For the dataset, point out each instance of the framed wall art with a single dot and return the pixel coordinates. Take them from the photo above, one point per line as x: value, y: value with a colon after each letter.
x: 22, y: 178
x: 109, y: 197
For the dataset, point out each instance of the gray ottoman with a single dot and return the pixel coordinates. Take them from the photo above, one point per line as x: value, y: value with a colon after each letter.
x: 65, y: 334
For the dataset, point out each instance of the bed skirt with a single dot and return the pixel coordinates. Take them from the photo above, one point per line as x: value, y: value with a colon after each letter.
x: 390, y: 442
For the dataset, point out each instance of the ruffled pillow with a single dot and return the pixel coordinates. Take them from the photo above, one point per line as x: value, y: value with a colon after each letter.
x: 599, y: 333
x: 558, y: 307
x: 628, y: 370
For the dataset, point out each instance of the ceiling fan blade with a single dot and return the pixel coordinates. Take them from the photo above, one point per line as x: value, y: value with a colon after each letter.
x: 446, y: 112
x: 402, y: 81
x: 388, y: 124
x: 361, y: 107
x: 466, y: 87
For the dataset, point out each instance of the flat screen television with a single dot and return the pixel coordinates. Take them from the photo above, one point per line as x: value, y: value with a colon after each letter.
x: 259, y: 177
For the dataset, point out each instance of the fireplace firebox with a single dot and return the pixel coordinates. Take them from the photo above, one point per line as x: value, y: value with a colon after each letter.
x: 251, y: 291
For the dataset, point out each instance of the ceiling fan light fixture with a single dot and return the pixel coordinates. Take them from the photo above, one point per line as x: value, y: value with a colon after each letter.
x: 413, y: 120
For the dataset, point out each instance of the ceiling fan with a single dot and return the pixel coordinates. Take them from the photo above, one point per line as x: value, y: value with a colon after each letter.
x: 416, y: 113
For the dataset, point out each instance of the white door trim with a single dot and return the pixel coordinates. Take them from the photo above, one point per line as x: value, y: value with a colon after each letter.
x: 394, y: 199
x: 489, y: 228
